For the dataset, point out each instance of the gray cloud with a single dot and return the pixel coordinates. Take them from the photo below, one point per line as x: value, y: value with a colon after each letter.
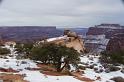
x: 61, y: 12
x: 123, y: 1
x: 1, y: 1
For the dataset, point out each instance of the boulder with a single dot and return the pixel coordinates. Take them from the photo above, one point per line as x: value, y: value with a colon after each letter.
x: 114, y: 68
x: 95, y: 69
x: 117, y: 64
x: 101, y: 70
x: 7, y: 60
x: 91, y: 66
x: 107, y: 70
x: 118, y: 79
x: 82, y: 67
x: 95, y: 64
x: 91, y: 58
x: 122, y: 70
x: 111, y: 69
x: 23, y: 62
x: 98, y: 70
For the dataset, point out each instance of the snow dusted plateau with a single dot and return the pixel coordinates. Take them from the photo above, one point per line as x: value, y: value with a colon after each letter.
x: 37, y: 76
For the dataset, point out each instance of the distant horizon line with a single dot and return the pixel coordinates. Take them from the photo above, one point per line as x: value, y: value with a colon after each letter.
x: 45, y: 26
x: 57, y: 26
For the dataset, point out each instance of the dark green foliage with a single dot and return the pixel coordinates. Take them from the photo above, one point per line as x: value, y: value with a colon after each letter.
x: 27, y: 47
x: 24, y: 48
x: 113, y: 57
x: 4, y: 51
x: 58, y: 55
x: 114, y: 68
x: 19, y: 48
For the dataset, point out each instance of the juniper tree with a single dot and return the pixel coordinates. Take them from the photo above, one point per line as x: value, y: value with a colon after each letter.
x: 58, y: 55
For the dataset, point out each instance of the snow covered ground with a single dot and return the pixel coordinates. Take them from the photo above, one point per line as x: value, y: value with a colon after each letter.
x: 57, y: 38
x: 37, y: 76
x: 31, y: 76
x: 90, y: 73
x: 104, y: 76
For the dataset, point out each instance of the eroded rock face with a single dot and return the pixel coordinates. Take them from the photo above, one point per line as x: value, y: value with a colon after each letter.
x: 116, y: 43
x: 112, y: 32
x: 70, y: 39
x: 106, y: 29
x: 98, y: 36
x: 70, y: 33
x: 97, y: 31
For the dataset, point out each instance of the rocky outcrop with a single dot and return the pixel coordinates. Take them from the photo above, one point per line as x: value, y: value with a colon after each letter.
x: 70, y: 39
x: 112, y: 32
x: 98, y: 37
x: 106, y: 29
x: 77, y: 44
x: 96, y: 43
x: 118, y: 79
x: 116, y: 43
x: 97, y: 31
x: 70, y: 34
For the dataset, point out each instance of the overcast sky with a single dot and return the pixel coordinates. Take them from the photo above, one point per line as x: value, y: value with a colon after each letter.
x: 61, y: 12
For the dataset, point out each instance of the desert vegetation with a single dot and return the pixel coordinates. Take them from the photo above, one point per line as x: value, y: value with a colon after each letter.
x: 4, y: 51
x: 113, y: 57
x: 58, y: 55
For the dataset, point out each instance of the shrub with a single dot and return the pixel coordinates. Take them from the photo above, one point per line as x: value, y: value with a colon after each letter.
x: 58, y: 55
x: 24, y: 48
x: 4, y: 51
x: 113, y: 57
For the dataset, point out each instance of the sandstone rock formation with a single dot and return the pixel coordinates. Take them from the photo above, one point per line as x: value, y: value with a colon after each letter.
x: 98, y: 37
x: 70, y: 39
x: 116, y: 43
x: 106, y: 29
